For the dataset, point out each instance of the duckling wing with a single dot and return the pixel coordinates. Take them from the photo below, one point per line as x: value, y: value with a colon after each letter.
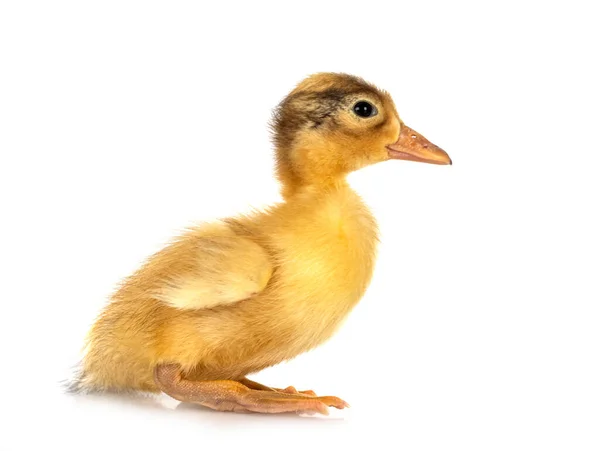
x: 213, y: 266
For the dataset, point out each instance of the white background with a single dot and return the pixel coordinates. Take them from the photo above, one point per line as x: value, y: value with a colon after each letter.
x: 121, y: 122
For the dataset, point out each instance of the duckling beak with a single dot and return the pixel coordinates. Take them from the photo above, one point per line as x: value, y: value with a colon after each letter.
x: 415, y: 147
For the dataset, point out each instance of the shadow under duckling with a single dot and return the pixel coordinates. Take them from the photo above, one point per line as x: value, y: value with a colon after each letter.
x: 235, y: 296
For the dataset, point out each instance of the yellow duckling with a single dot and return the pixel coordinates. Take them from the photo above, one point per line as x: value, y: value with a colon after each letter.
x: 232, y: 297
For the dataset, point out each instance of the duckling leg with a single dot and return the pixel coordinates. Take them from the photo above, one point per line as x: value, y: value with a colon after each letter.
x: 234, y: 396
x: 258, y: 386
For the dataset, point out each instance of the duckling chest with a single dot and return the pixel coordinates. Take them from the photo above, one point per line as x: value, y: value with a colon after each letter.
x: 326, y: 259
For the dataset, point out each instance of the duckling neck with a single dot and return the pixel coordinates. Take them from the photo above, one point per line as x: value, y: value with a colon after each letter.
x: 292, y: 191
x: 336, y: 210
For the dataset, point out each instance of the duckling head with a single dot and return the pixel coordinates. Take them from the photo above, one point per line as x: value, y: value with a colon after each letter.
x: 332, y: 124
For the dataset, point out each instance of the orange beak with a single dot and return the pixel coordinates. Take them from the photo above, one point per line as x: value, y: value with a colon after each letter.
x: 414, y: 147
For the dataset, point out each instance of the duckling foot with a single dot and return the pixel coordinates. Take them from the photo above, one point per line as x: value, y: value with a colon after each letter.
x: 258, y: 386
x: 234, y: 396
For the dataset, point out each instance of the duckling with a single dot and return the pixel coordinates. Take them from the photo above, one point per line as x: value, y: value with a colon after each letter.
x: 229, y: 298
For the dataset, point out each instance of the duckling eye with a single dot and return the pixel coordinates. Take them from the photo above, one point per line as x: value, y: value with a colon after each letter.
x: 364, y: 109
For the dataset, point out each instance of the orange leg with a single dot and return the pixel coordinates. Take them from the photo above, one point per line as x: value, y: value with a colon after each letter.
x: 237, y: 397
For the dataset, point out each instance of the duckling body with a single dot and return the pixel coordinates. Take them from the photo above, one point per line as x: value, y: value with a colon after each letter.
x: 229, y: 298
x: 316, y: 239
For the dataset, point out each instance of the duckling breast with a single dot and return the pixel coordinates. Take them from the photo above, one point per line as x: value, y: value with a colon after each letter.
x: 325, y: 251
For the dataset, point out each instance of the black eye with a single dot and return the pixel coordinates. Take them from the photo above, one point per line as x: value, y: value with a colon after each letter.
x: 364, y: 109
